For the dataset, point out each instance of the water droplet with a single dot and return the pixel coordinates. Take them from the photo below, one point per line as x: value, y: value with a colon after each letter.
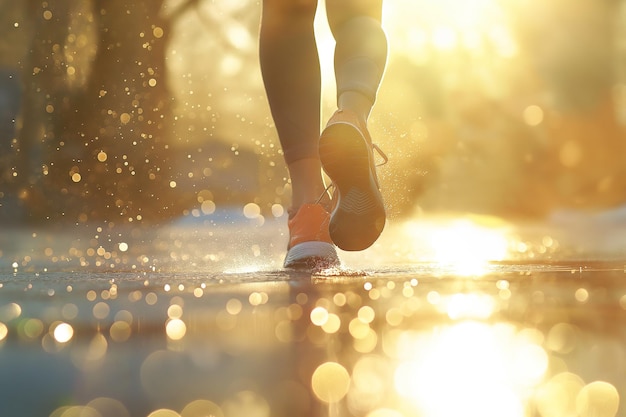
x: 102, y: 156
x: 157, y: 32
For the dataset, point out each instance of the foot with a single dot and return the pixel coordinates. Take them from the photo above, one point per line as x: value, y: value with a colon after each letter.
x: 346, y: 152
x: 310, y: 245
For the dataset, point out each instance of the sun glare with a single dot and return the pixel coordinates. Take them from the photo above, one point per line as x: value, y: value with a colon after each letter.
x: 471, y: 369
x: 463, y: 245
x: 468, y: 306
x: 326, y: 48
x: 468, y: 247
x: 444, y: 25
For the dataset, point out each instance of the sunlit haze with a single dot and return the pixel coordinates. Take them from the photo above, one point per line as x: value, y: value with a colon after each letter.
x: 145, y: 199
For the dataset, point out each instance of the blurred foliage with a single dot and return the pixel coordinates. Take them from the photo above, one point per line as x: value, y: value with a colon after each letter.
x: 132, y: 111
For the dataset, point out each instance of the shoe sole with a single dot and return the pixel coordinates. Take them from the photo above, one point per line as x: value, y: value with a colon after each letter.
x: 313, y: 254
x: 359, y: 215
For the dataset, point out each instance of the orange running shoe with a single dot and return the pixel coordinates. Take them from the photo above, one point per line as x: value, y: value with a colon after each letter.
x: 309, y: 241
x: 346, y: 153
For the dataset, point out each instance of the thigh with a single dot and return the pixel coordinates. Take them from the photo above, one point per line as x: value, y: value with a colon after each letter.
x: 289, y: 10
x: 339, y: 11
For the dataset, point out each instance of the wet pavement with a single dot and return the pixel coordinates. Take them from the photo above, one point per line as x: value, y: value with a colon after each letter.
x: 468, y: 316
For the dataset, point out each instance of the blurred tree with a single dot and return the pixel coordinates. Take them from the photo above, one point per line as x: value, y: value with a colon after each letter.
x: 575, y: 53
x: 45, y: 92
x: 97, y: 115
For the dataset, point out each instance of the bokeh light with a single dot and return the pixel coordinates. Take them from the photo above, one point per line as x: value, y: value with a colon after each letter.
x: 330, y: 382
x: 63, y: 332
x: 470, y: 369
x: 120, y: 331
x: 465, y: 246
x: 175, y: 329
x: 599, y: 398
x: 144, y: 201
x: 108, y: 407
x: 319, y: 316
x: 75, y: 411
x: 202, y: 408
x: 3, y: 331
x: 557, y: 396
x: 164, y: 412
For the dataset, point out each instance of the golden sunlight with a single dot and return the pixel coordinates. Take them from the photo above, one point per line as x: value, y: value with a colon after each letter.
x: 468, y: 306
x: 330, y: 382
x: 419, y: 27
x: 465, y: 245
x: 446, y: 25
x: 62, y: 332
x: 326, y: 48
x: 471, y: 369
x: 468, y: 246
x: 175, y: 329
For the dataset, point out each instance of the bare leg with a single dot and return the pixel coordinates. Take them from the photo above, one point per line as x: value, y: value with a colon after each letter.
x: 307, y: 185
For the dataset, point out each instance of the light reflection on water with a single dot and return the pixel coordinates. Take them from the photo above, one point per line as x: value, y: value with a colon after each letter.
x: 364, y: 345
x: 470, y: 368
x: 440, y: 318
x: 464, y: 245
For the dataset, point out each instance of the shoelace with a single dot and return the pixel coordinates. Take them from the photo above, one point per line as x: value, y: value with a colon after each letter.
x: 381, y: 154
x: 331, y: 185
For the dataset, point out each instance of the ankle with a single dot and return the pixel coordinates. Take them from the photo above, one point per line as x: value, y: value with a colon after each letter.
x: 307, y: 184
x: 355, y: 102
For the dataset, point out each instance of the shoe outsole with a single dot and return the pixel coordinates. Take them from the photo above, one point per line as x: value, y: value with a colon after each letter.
x: 312, y: 254
x: 359, y: 215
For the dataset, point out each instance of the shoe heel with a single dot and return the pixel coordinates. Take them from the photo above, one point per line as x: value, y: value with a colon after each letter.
x: 347, y: 157
x: 344, y: 154
x: 311, y: 254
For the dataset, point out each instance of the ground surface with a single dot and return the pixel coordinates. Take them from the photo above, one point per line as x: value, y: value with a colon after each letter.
x: 467, y: 316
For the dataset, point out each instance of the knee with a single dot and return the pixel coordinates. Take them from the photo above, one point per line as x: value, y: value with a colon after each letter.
x: 360, y: 34
x: 340, y: 12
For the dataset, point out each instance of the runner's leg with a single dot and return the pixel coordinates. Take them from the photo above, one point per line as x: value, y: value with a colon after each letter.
x: 360, y: 53
x: 346, y: 149
x: 291, y: 74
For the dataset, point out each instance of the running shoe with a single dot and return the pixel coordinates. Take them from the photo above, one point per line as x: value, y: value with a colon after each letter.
x: 347, y: 156
x: 310, y: 245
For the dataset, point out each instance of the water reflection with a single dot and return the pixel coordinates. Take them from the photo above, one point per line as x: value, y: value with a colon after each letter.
x: 402, y: 345
x: 470, y: 368
x: 465, y: 245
